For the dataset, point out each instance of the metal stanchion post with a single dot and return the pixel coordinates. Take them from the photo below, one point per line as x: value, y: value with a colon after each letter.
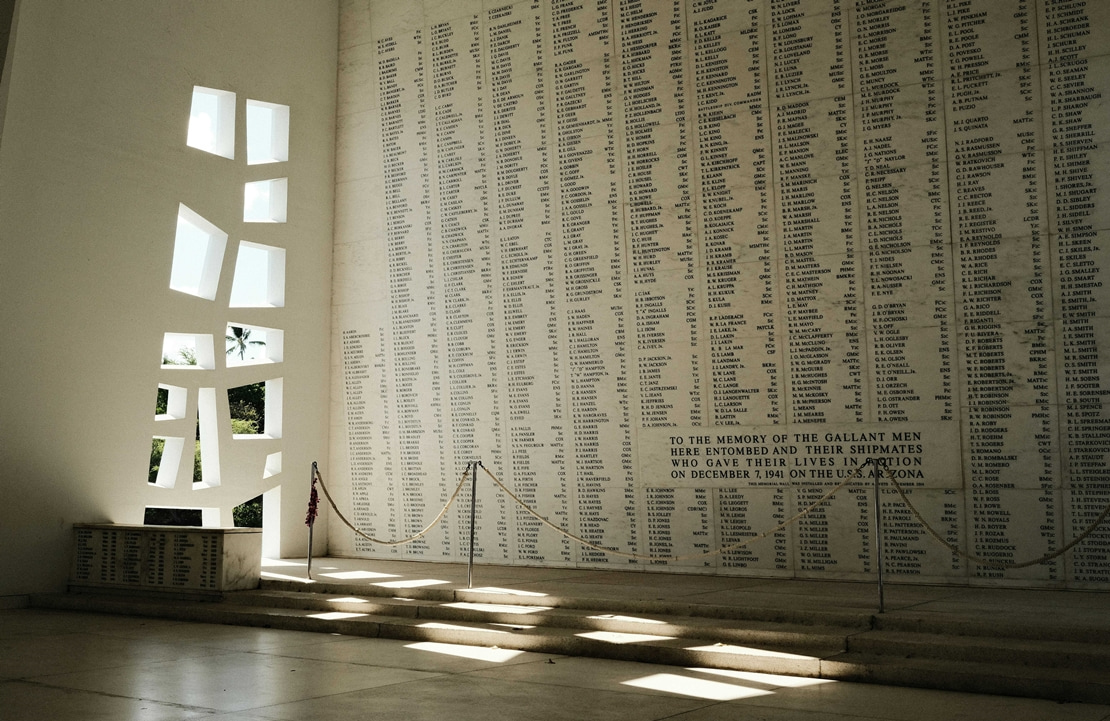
x: 312, y: 517
x: 473, y: 503
x: 878, y: 464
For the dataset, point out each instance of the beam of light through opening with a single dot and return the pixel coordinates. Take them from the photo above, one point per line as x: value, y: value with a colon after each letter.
x: 478, y: 653
x: 355, y: 575
x: 415, y: 583
x: 614, y: 637
x: 497, y: 607
x: 695, y: 687
x: 768, y: 679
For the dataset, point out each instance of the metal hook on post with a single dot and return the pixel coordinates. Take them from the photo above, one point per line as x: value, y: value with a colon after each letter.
x: 878, y: 464
x: 473, y: 505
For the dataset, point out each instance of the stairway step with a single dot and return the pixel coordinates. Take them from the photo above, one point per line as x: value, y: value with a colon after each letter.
x: 1063, y: 671
x: 540, y: 639
x: 812, y: 640
x: 1010, y: 651
x: 813, y: 617
x: 1008, y: 625
x: 1056, y: 684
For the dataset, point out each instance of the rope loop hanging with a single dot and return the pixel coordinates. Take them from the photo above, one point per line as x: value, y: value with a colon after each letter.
x: 856, y: 476
x: 986, y: 562
x: 400, y: 541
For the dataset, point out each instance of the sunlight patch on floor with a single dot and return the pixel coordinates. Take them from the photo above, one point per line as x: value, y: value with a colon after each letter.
x: 283, y: 577
x: 509, y: 591
x: 455, y: 627
x: 770, y: 679
x: 614, y: 637
x: 749, y: 651
x: 695, y: 687
x: 413, y: 583
x: 357, y: 575
x: 634, y: 619
x: 497, y: 607
x: 478, y: 653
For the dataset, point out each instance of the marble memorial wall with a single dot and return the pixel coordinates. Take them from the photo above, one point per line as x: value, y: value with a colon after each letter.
x: 672, y: 269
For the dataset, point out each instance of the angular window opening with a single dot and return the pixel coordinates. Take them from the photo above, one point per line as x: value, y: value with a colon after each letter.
x: 274, y: 393
x: 177, y: 516
x: 253, y: 344
x: 247, y: 406
x: 206, y: 460
x: 255, y: 411
x: 165, y: 459
x: 267, y: 132
x: 248, y: 514
x: 271, y: 523
x: 198, y: 254
x: 212, y: 121
x: 164, y: 516
x: 259, y: 280
x: 188, y: 351
x: 264, y: 201
x: 170, y: 405
x: 273, y: 465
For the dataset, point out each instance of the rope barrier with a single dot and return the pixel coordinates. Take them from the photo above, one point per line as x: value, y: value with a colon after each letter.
x: 1005, y: 565
x: 857, y: 475
x: 688, y: 557
x: 402, y: 541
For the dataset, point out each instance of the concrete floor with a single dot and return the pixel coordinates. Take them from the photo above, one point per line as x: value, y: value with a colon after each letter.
x: 63, y: 666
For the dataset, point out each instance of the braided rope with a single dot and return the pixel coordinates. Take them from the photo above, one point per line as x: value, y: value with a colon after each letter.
x: 1004, y: 565
x: 986, y: 562
x: 402, y: 541
x: 687, y: 557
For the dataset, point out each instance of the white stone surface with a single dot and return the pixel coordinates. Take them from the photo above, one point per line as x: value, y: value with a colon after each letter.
x: 607, y: 227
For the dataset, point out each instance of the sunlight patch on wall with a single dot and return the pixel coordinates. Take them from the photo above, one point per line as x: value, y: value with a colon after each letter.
x: 212, y: 121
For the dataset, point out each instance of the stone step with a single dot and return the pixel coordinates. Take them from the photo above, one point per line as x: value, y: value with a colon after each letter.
x: 983, y: 649
x: 1058, y: 670
x: 539, y: 639
x: 1003, y: 679
x: 850, y: 619
x: 794, y: 638
x: 1042, y: 627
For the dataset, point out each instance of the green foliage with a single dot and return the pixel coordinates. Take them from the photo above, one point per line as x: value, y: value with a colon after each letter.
x: 243, y: 426
x: 239, y: 340
x: 157, y: 445
x: 248, y: 404
x: 163, y: 402
x: 197, y: 478
x: 249, y: 514
x: 172, y: 517
x: 185, y: 357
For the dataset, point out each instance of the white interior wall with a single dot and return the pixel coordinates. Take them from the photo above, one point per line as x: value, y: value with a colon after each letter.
x: 93, y: 165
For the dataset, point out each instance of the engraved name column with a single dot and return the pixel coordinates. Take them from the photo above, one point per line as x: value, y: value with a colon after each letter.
x: 593, y: 269
x: 361, y: 455
x: 659, y: 211
x: 413, y: 282
x: 997, y: 193
x: 462, y: 213
x: 909, y: 284
x: 1076, y: 81
x: 525, y: 243
x: 811, y: 130
x: 740, y: 268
